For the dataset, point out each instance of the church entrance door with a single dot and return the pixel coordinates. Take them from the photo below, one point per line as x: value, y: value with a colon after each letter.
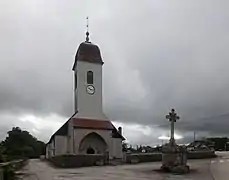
x: 90, y: 151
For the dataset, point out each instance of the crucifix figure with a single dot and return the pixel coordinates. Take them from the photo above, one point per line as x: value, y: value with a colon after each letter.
x: 172, y: 117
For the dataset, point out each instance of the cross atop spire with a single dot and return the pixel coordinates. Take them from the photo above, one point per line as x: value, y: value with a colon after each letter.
x: 87, y: 33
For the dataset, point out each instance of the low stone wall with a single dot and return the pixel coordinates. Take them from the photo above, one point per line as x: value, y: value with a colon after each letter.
x: 7, y: 169
x: 70, y: 161
x: 153, y: 157
x: 143, y: 157
x: 201, y: 155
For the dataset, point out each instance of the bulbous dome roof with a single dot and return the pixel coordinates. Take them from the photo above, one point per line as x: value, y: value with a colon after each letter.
x: 88, y: 52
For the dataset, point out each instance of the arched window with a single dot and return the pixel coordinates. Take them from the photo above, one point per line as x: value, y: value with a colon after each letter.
x: 89, y: 77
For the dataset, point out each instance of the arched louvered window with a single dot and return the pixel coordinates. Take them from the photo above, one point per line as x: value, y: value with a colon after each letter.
x: 89, y: 77
x: 75, y: 80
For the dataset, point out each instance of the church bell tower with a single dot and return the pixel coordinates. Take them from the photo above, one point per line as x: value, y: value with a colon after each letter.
x: 88, y: 130
x: 88, y: 81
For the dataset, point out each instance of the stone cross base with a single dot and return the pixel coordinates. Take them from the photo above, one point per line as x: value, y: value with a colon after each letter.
x: 174, y: 159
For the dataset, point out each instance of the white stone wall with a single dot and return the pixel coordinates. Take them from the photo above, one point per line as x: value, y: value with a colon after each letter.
x: 47, y: 151
x: 117, y: 148
x: 89, y: 106
x: 60, y: 145
x: 70, y: 138
x: 79, y: 134
x: 94, y: 141
x: 114, y: 144
x: 50, y: 150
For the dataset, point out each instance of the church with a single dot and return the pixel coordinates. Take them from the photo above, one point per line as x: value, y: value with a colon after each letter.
x: 88, y: 130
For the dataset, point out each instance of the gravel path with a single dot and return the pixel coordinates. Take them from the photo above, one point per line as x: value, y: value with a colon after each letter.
x: 39, y: 170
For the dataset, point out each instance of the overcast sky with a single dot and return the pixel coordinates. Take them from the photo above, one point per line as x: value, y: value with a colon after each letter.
x: 158, y: 55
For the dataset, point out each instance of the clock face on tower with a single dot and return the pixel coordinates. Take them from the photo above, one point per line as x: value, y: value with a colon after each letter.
x: 90, y: 89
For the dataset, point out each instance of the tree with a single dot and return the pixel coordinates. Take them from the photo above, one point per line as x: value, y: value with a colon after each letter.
x: 21, y: 143
x: 220, y: 143
x: 124, y: 146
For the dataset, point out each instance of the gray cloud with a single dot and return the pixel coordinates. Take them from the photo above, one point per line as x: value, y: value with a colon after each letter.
x: 157, y: 55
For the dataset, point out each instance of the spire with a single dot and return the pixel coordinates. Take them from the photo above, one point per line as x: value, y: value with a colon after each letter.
x: 87, y: 33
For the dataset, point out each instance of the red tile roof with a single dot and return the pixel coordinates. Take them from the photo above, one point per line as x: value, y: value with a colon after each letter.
x: 87, y: 124
x: 92, y: 124
x: 96, y: 124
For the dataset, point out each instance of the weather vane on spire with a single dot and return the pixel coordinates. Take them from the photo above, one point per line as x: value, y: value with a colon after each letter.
x: 87, y: 33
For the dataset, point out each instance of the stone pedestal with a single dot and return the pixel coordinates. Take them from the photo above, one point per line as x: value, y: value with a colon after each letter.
x: 174, y: 158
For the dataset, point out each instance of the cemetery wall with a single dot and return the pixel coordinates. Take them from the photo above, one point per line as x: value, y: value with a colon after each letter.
x: 152, y: 157
x: 143, y: 157
x: 69, y: 161
x: 201, y: 155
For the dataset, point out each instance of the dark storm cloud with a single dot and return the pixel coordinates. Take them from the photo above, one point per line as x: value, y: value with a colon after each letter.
x: 158, y: 55
x: 35, y: 66
x: 182, y: 58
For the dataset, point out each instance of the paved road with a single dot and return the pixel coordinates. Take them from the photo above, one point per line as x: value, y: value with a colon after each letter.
x: 220, y: 166
x: 210, y: 169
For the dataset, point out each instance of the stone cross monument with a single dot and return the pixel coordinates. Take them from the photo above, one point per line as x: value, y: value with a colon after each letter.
x: 172, y: 117
x: 173, y: 156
